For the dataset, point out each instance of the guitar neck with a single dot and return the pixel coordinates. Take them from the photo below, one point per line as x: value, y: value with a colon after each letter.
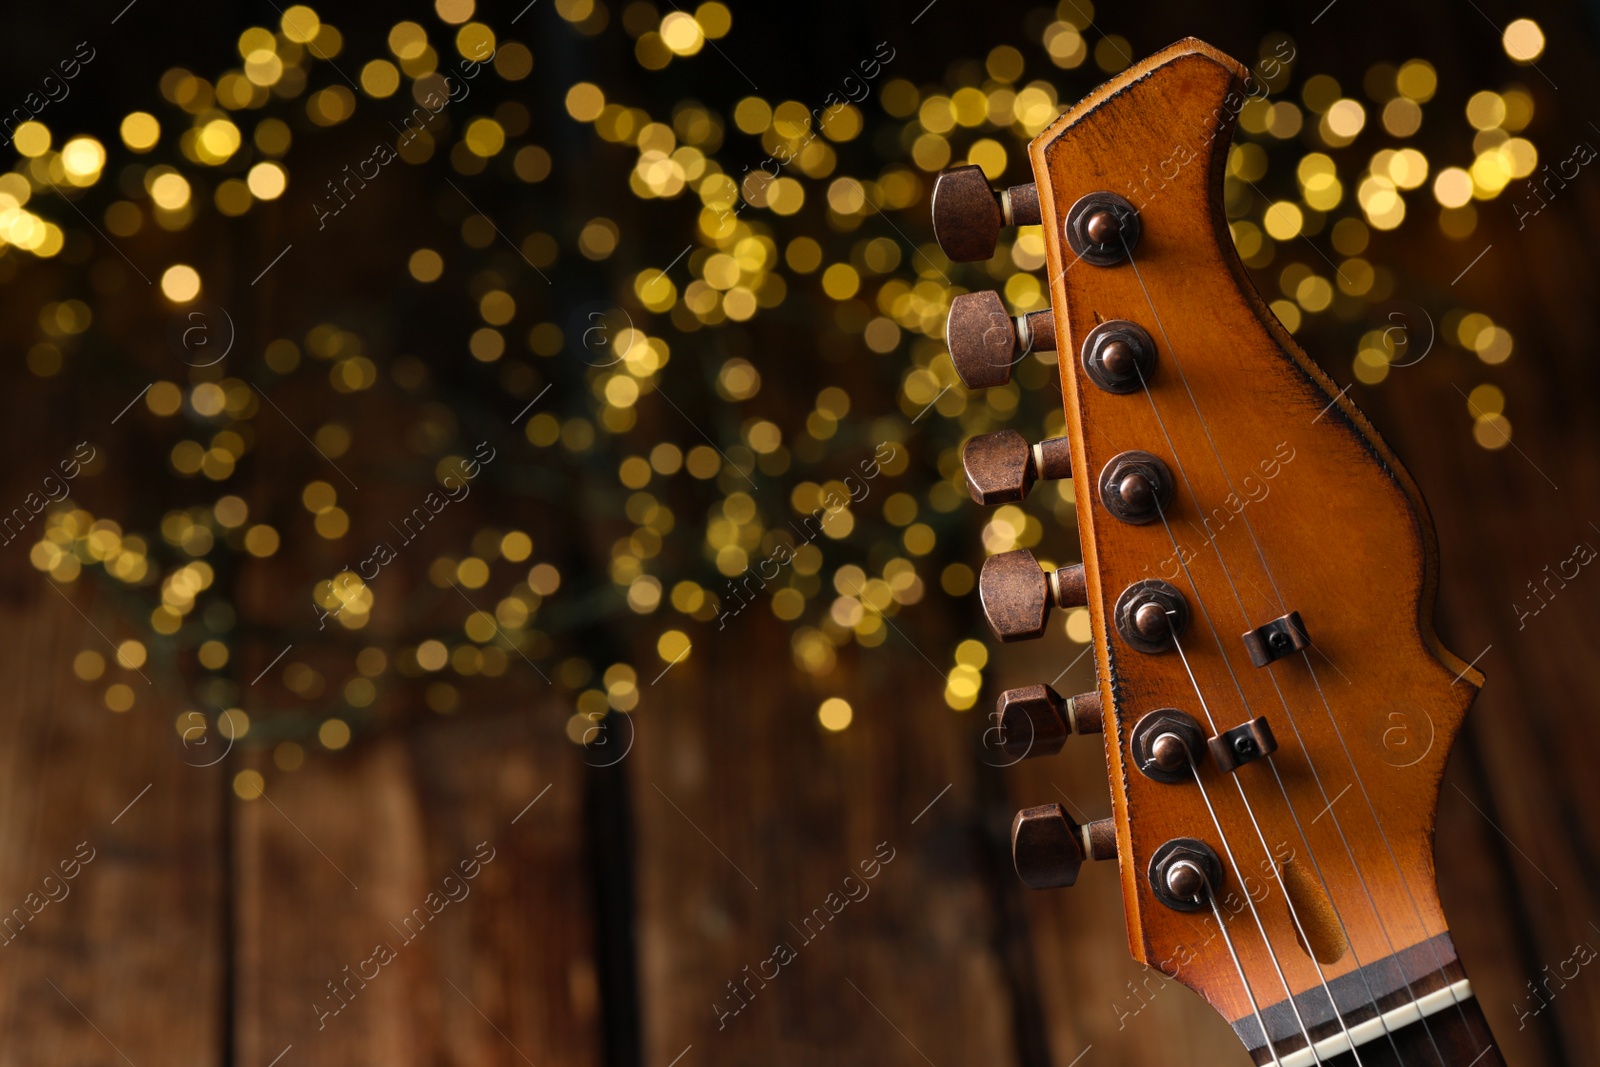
x: 1412, y: 1009
x: 1456, y: 1037
x: 1160, y: 334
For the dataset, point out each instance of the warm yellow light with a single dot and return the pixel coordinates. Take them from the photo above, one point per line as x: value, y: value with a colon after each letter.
x: 262, y: 67
x: 380, y: 78
x: 334, y: 734
x: 140, y: 131
x: 1402, y: 117
x: 267, y: 181
x: 180, y: 283
x: 1486, y: 399
x: 170, y: 191
x: 1491, y: 173
x: 585, y: 101
x: 1492, y: 432
x: 426, y: 265
x: 990, y: 155
x: 672, y: 646
x: 714, y: 18
x: 1486, y: 110
x: 1408, y: 168
x: 219, y: 139
x: 1382, y: 203
x: 1524, y: 40
x: 1283, y: 220
x: 1346, y: 117
x: 841, y: 281
x: 1453, y: 187
x: 1417, y: 80
x: 835, y: 714
x: 32, y: 139
x: 407, y: 40
x: 300, y: 24
x: 82, y: 158
x: 682, y: 34
x: 484, y: 137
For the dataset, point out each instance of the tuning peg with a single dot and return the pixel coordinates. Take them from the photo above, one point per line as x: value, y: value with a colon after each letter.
x: 1001, y: 467
x: 967, y: 214
x: 1035, y: 721
x: 985, y: 342
x: 1048, y: 846
x: 1017, y: 593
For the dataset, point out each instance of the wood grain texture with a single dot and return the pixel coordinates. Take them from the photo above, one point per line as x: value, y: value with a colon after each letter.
x: 334, y: 860
x: 1234, y: 399
x: 749, y: 816
x: 1517, y: 834
x: 137, y: 934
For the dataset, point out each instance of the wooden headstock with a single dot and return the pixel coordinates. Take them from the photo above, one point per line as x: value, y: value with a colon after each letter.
x: 1259, y: 571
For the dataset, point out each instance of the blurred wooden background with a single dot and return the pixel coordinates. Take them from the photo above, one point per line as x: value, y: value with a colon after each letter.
x: 619, y: 904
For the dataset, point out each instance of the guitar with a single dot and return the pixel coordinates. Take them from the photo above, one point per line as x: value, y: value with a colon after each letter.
x: 1259, y: 572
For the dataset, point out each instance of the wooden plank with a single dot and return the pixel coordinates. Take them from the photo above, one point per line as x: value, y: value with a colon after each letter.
x: 128, y: 960
x: 749, y: 817
x: 1516, y: 847
x: 498, y: 969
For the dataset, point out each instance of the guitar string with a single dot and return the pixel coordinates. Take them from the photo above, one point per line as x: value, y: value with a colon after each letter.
x: 1227, y: 847
x: 1261, y: 837
x: 1294, y: 914
x: 1433, y: 948
x: 1266, y: 1035
x: 1222, y: 927
x: 1282, y: 699
x: 1267, y: 570
x: 1283, y: 789
x: 1328, y: 709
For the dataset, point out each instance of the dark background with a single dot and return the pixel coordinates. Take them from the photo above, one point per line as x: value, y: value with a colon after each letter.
x: 620, y: 904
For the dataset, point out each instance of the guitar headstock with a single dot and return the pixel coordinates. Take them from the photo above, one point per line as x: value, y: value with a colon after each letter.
x: 1258, y: 569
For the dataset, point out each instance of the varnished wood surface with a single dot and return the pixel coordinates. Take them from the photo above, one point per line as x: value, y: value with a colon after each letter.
x: 1282, y: 493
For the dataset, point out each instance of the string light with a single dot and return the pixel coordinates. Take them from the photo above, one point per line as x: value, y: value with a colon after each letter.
x: 1317, y: 170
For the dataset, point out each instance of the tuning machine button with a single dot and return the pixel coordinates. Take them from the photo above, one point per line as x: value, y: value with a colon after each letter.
x: 1150, y: 615
x: 1001, y: 467
x: 968, y: 214
x: 1167, y: 745
x: 986, y: 341
x: 1102, y: 228
x: 1017, y: 593
x: 1048, y: 846
x: 1185, y: 874
x: 1136, y: 487
x: 1035, y: 721
x: 1118, y: 356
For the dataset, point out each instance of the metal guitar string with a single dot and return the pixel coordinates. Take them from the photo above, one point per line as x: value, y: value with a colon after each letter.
x: 1244, y: 798
x: 1282, y: 699
x: 1211, y: 898
x: 1261, y: 837
x: 1316, y: 681
x: 1293, y: 912
x: 1233, y: 861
